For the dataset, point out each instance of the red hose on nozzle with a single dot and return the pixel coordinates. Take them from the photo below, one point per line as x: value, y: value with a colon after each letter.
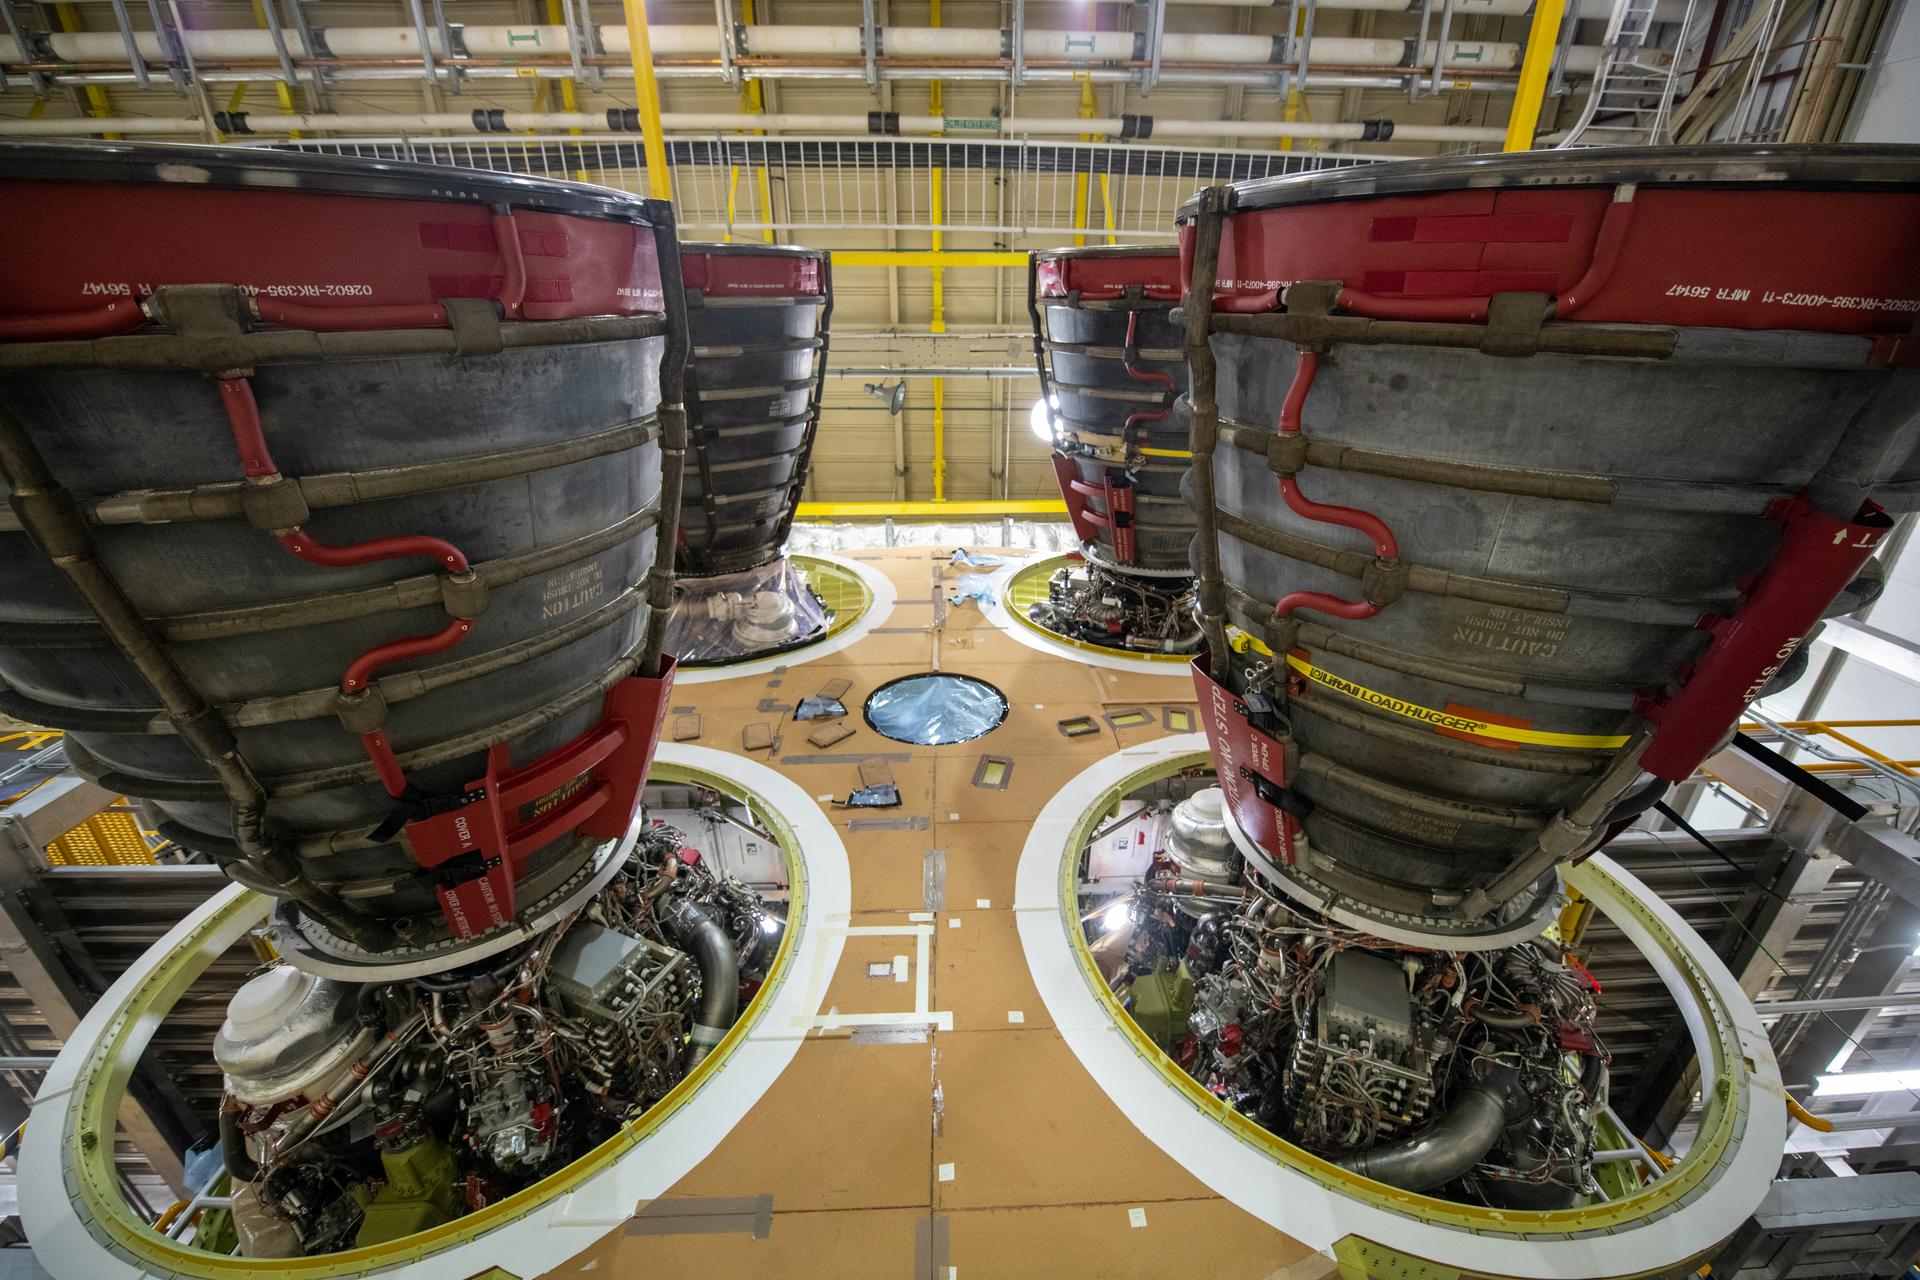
x: 1385, y: 545
x: 256, y: 460
x: 513, y: 287
x: 1321, y: 602
x: 243, y: 419
x: 1162, y: 380
x: 1303, y: 376
x: 361, y: 669
x: 374, y: 549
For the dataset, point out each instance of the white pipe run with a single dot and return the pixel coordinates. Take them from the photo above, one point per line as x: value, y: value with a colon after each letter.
x: 700, y: 41
x: 1212, y: 78
x: 1665, y: 11
x: 688, y: 122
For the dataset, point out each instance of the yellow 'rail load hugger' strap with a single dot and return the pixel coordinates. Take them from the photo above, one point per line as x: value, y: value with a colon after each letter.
x: 1458, y: 722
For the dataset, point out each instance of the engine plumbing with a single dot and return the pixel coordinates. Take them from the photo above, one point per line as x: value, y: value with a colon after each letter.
x: 1095, y: 605
x: 359, y: 1113
x: 1476, y: 1076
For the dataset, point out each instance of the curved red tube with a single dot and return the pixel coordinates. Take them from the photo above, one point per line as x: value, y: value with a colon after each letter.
x: 295, y: 315
x: 1375, y: 307
x: 1385, y: 544
x: 101, y: 322
x: 1321, y: 602
x: 243, y: 419
x: 1606, y: 254
x: 302, y: 544
x: 1303, y: 375
x: 513, y: 289
x: 256, y: 459
x: 361, y: 669
x: 1142, y: 375
x: 1163, y: 380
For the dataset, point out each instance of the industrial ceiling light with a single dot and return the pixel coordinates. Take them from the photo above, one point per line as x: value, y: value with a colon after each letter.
x: 894, y: 397
x: 1040, y: 420
x: 1865, y: 1084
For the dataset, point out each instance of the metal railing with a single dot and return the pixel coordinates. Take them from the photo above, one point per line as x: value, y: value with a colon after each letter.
x: 1008, y: 188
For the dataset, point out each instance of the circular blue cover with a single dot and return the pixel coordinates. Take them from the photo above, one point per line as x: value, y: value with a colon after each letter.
x: 934, y: 710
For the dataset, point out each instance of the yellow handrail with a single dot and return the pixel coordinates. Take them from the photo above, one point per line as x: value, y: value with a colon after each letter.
x: 1832, y: 729
x: 858, y: 511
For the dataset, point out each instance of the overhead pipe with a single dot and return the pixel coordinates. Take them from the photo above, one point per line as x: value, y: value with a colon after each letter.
x: 765, y: 69
x: 1665, y: 11
x: 693, y: 40
x: 623, y: 122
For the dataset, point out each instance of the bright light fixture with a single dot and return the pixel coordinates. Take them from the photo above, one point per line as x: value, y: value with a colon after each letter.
x: 1116, y: 915
x: 1041, y: 421
x: 1861, y: 1084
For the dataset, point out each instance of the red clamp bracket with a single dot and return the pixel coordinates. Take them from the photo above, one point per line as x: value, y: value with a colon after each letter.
x: 1086, y: 523
x: 1252, y: 767
x: 1119, y: 502
x: 589, y: 786
x: 1818, y: 556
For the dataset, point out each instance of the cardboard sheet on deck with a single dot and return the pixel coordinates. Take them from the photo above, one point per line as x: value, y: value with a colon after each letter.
x: 850, y: 1138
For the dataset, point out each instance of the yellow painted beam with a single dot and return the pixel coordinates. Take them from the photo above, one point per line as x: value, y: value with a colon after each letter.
x: 1296, y: 106
x: 753, y: 102
x: 1080, y: 183
x: 1542, y: 36
x: 937, y: 207
x: 647, y: 91
x: 921, y: 258
x: 938, y: 324
x: 97, y: 99
x: 924, y: 510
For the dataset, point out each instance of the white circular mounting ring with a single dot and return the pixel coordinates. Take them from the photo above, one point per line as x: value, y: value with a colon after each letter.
x: 1000, y: 616
x: 1320, y: 1216
x: 877, y: 612
x: 568, y: 1222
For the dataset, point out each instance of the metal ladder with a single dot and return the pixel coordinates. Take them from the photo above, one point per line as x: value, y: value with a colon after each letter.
x: 1633, y: 87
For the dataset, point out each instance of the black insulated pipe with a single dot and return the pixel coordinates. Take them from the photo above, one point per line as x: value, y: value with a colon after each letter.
x: 712, y: 950
x: 1450, y: 1147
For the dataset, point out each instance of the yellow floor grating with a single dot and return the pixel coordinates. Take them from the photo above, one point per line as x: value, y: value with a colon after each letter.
x: 110, y: 838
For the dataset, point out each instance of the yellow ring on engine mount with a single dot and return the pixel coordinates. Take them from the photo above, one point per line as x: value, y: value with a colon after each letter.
x: 844, y: 592
x: 1028, y: 586
x: 1722, y: 1121
x: 102, y: 1084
